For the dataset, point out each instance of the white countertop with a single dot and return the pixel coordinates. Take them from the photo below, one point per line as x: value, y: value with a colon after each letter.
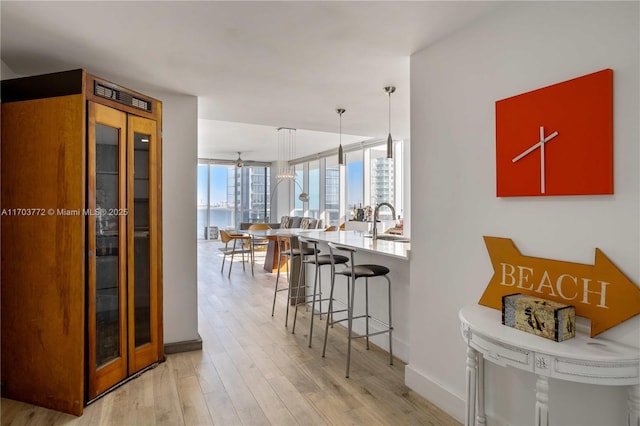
x: 355, y: 239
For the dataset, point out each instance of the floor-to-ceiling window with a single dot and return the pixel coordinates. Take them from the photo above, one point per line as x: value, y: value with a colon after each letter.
x: 203, y: 200
x: 332, y: 191
x: 254, y: 194
x: 382, y: 179
x: 367, y: 178
x: 314, y: 189
x: 355, y: 179
x: 229, y: 195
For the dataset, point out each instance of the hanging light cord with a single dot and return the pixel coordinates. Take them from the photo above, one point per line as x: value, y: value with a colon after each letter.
x: 389, y: 112
x: 341, y: 129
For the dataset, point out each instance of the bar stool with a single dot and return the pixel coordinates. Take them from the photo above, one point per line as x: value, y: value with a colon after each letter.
x: 291, y: 254
x: 318, y: 261
x: 352, y: 273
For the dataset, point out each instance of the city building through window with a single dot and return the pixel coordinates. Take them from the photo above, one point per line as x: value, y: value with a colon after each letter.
x: 230, y: 195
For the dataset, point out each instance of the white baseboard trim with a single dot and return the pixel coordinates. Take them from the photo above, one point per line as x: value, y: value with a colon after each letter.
x: 436, y: 393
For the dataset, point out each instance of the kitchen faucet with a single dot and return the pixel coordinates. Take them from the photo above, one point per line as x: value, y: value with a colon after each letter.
x: 375, y: 217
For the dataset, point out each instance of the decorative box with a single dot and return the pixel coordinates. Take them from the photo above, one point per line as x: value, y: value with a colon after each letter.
x: 546, y: 318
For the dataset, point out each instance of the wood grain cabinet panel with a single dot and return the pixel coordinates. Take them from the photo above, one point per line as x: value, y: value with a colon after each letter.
x: 81, y: 240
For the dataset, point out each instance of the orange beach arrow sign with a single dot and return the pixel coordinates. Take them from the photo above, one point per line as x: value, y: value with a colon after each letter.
x: 600, y: 292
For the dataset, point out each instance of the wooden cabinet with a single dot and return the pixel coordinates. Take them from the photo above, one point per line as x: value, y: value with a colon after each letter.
x: 81, y: 306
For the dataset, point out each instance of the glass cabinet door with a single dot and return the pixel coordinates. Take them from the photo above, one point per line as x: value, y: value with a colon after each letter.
x: 122, y: 307
x: 143, y: 340
x: 106, y: 264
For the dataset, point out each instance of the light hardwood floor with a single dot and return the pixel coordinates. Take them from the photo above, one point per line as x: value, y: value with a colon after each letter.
x: 253, y: 371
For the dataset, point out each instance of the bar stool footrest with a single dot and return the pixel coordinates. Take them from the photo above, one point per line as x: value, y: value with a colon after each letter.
x: 338, y: 321
x: 359, y: 336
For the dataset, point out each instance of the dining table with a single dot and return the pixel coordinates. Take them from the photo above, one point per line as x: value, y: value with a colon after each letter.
x: 276, y: 237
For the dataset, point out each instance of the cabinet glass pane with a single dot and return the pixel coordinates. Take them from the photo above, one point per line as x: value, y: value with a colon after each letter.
x: 107, y: 309
x: 142, y: 302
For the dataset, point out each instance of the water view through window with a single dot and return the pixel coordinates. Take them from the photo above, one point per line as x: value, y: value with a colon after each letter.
x: 228, y: 195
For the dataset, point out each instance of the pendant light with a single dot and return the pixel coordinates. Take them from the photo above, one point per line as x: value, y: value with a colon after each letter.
x: 286, y: 152
x: 340, y: 111
x: 239, y: 161
x: 389, y: 90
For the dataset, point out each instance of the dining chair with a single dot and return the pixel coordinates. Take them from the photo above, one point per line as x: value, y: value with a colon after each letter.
x: 259, y: 243
x: 234, y: 244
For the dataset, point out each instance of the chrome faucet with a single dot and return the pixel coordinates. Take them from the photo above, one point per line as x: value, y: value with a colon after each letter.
x: 376, y: 215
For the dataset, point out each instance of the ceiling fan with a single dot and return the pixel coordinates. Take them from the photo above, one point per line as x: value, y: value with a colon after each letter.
x: 239, y: 162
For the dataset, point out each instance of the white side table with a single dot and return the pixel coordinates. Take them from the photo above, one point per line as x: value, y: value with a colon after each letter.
x: 580, y: 359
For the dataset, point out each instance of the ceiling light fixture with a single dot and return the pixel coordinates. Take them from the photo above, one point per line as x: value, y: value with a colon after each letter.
x: 239, y: 161
x: 286, y: 152
x: 389, y: 90
x: 340, y: 111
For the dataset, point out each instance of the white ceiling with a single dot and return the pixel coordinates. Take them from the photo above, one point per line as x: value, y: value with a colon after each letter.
x: 266, y: 64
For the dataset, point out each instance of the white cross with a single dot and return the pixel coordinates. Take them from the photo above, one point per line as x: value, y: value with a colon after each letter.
x: 540, y: 144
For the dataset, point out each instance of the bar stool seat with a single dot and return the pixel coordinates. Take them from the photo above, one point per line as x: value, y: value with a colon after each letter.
x: 298, y: 251
x: 352, y: 273
x: 364, y: 270
x: 312, y: 257
x: 325, y: 259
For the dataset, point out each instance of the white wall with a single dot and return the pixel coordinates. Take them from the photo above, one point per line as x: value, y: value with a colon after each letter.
x: 179, y: 165
x: 6, y: 72
x: 521, y: 46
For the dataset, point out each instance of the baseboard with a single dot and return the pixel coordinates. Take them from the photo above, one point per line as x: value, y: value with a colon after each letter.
x: 436, y: 393
x: 184, y: 346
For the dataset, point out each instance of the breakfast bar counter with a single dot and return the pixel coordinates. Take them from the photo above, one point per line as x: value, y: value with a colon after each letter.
x: 387, y: 250
x: 394, y: 255
x: 386, y: 245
